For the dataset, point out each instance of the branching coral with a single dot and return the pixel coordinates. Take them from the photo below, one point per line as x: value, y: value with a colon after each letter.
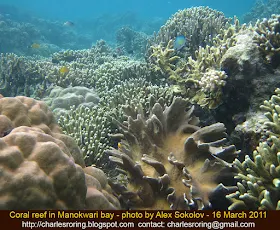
x: 188, y: 73
x: 170, y: 161
x: 132, y: 42
x: 259, y: 178
x: 17, y: 77
x: 207, y: 65
x: 268, y: 38
x: 164, y: 60
x: 90, y: 127
x: 199, y: 24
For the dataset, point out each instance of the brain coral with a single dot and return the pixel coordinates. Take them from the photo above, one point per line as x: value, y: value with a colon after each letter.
x: 170, y: 161
x: 42, y: 168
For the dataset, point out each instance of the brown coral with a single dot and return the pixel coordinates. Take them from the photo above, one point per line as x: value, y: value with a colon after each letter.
x: 170, y: 161
x: 42, y: 168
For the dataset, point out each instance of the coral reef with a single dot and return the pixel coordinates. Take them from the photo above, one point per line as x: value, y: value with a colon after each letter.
x: 170, y: 161
x: 41, y: 167
x: 18, y: 75
x: 61, y: 100
x: 90, y: 127
x: 198, y: 24
x: 259, y: 177
x: 189, y: 75
x: 268, y: 39
x: 16, y: 37
x: 131, y: 42
x: 261, y: 10
x: 95, y: 68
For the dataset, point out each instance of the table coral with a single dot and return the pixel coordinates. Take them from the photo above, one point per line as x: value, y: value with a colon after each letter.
x: 170, y: 161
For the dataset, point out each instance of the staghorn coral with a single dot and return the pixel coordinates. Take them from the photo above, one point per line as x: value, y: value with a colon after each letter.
x: 170, y: 161
x: 164, y: 60
x: 268, y: 38
x: 42, y: 168
x: 98, y: 68
x: 259, y: 176
x: 96, y: 55
x: 90, y: 128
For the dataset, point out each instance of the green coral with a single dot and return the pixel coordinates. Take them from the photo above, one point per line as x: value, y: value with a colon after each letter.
x: 259, y: 177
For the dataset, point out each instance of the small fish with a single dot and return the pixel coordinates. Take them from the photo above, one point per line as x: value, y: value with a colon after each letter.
x: 119, y: 145
x: 180, y: 42
x: 64, y: 70
x: 35, y: 46
x: 68, y: 23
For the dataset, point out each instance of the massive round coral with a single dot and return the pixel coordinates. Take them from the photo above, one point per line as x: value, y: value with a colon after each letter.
x: 170, y: 161
x: 40, y: 167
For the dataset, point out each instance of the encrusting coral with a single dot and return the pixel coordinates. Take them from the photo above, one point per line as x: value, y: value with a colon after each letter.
x: 42, y: 168
x: 259, y: 175
x: 170, y: 161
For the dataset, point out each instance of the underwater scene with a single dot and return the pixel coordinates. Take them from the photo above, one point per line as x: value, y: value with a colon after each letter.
x: 140, y: 105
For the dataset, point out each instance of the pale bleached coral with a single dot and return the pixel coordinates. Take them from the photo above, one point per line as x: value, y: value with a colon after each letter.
x: 60, y: 100
x: 268, y: 38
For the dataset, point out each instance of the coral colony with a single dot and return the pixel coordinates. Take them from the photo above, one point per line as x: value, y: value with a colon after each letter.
x: 157, y: 122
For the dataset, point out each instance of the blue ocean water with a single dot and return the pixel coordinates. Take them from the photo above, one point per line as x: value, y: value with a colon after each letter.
x: 86, y: 9
x: 43, y: 20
